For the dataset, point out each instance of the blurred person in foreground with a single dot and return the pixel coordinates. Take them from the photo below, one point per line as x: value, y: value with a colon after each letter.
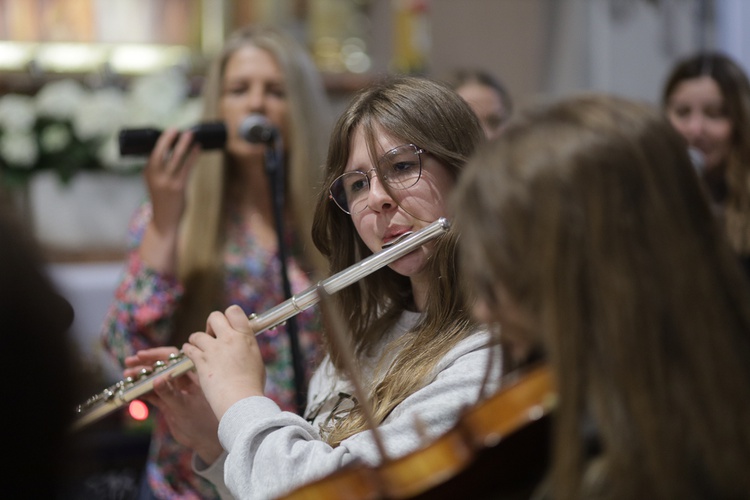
x: 39, y: 374
x: 584, y: 230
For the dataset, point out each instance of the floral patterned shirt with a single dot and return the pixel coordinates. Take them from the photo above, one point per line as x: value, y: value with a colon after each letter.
x: 141, y: 314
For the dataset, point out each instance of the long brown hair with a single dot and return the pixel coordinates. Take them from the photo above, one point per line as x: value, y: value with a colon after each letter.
x: 735, y: 91
x: 435, y: 118
x: 589, y: 215
x: 203, y: 234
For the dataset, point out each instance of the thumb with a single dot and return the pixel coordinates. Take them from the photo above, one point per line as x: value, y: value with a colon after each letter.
x: 238, y: 319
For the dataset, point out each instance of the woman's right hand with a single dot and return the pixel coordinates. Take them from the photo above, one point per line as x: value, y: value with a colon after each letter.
x: 227, y: 358
x: 166, y: 175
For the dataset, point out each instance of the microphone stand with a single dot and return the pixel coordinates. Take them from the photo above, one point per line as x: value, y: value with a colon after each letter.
x: 275, y: 172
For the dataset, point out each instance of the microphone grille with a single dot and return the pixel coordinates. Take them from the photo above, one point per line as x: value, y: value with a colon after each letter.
x: 257, y: 128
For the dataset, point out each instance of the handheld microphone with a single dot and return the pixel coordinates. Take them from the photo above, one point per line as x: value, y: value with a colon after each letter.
x: 141, y: 141
x: 257, y: 129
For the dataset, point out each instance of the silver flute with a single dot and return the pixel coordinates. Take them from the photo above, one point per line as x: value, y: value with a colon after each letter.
x: 126, y: 390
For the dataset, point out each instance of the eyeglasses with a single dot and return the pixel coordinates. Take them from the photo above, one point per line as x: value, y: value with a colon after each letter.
x: 400, y: 168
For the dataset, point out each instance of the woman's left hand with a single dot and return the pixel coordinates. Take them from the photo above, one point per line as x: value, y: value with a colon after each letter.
x: 188, y: 414
x: 181, y: 401
x: 228, y: 359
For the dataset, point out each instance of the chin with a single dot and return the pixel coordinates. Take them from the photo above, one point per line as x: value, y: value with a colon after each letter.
x: 409, y: 265
x: 245, y: 150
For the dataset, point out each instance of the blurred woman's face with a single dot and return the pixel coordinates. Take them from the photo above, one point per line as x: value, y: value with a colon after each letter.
x: 252, y: 83
x: 697, y: 110
x: 487, y: 105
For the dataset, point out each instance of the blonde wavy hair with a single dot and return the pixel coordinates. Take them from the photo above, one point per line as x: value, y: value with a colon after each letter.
x: 203, y: 227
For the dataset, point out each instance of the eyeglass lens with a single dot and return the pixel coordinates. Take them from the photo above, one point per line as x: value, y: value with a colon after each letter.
x: 400, y: 168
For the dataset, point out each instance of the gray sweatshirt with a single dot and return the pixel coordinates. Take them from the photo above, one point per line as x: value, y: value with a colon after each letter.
x: 271, y: 452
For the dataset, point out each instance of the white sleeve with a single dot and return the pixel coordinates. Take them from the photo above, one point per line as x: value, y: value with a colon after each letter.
x: 271, y: 452
x: 213, y: 473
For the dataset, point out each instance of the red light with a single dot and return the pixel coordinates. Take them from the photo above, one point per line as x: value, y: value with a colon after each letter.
x: 138, y: 410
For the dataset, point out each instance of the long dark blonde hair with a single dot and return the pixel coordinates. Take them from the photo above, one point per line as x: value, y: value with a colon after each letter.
x: 589, y: 215
x: 435, y: 118
x: 203, y: 229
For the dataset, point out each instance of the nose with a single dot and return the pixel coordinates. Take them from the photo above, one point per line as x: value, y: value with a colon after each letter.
x: 255, y: 98
x: 378, y: 197
x: 693, y: 126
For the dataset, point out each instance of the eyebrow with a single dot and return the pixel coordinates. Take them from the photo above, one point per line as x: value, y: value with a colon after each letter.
x: 369, y: 159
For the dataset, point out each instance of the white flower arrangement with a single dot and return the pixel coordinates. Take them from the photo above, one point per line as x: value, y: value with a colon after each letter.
x: 67, y: 127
